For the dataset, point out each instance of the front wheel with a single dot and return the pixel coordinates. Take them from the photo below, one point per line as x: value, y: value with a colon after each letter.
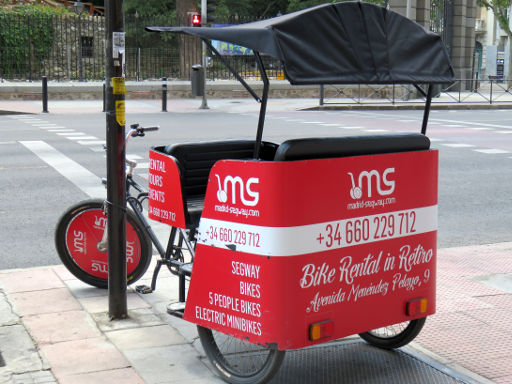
x: 238, y: 361
x: 81, y: 228
x: 394, y: 336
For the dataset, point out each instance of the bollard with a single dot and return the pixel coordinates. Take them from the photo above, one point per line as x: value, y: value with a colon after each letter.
x: 45, y: 94
x: 164, y: 94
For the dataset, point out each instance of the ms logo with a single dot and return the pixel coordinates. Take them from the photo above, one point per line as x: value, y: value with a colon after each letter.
x: 372, y: 178
x: 231, y: 185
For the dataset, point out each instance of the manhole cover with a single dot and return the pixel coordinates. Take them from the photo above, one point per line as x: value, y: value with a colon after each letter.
x: 355, y: 362
x: 2, y: 362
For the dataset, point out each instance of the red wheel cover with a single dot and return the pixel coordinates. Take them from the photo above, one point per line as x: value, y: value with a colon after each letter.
x: 83, y: 234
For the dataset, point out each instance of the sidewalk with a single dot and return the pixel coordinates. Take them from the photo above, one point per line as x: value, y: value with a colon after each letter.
x: 55, y: 329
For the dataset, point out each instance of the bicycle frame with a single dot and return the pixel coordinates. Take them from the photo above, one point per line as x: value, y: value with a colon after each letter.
x: 173, y: 252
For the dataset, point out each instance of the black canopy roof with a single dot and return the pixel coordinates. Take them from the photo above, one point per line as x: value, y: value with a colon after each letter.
x: 342, y: 43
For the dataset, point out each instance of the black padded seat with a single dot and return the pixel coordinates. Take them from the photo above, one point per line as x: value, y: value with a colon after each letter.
x: 195, y: 160
x: 326, y: 147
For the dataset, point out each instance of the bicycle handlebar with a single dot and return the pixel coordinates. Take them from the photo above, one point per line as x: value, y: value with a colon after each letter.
x: 137, y: 130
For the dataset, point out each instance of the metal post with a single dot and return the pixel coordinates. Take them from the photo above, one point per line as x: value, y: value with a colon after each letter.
x: 137, y: 57
x: 45, y: 94
x: 427, y: 109
x: 164, y: 94
x: 321, y: 94
x: 490, y: 95
x: 263, y: 106
x: 80, y: 63
x: 204, y: 15
x: 116, y: 173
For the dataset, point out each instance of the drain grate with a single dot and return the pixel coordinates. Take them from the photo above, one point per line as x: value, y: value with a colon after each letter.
x: 355, y: 362
x: 2, y: 362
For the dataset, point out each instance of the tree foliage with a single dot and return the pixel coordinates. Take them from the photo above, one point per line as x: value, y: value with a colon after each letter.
x: 26, y: 35
x: 500, y: 9
x: 243, y: 9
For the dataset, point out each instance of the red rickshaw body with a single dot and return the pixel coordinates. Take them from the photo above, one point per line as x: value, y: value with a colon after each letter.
x: 349, y: 243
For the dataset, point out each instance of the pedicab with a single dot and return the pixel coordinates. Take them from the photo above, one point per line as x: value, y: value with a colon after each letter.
x: 315, y: 238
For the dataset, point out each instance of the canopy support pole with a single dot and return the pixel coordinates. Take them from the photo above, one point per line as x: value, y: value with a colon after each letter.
x: 263, y: 107
x: 427, y: 109
x: 233, y: 71
x: 420, y: 90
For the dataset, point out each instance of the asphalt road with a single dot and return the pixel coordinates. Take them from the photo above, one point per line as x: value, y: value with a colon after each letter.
x: 50, y: 161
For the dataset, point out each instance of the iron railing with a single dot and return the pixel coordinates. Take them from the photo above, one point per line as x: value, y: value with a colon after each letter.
x: 467, y: 91
x: 68, y: 47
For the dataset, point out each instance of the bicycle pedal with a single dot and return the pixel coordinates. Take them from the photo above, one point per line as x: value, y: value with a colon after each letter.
x: 143, y: 289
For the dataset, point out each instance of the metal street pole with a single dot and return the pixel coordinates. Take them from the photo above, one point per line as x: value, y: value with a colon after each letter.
x: 116, y: 180
x: 78, y: 8
x: 204, y: 103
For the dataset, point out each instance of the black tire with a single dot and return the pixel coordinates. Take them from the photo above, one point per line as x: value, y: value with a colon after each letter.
x: 81, y: 256
x: 238, y: 361
x: 394, y: 336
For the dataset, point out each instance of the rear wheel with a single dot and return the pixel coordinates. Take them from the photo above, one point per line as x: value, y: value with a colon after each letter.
x: 238, y: 361
x: 78, y: 233
x: 394, y: 336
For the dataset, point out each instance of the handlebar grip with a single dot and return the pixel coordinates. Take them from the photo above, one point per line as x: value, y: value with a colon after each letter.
x: 146, y: 129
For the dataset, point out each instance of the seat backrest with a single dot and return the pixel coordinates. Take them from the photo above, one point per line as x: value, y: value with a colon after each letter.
x: 326, y: 147
x: 195, y: 160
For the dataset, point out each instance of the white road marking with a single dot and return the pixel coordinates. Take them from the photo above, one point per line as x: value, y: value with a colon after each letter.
x: 83, y: 138
x: 142, y: 165
x: 491, y: 151
x: 457, y: 145
x: 376, y: 130
x: 91, y: 142
x: 134, y: 157
x: 84, y: 179
x: 505, y: 132
x: 479, y: 128
x: 353, y: 127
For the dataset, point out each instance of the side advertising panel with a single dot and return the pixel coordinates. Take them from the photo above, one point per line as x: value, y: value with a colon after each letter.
x: 165, y: 197
x: 283, y: 245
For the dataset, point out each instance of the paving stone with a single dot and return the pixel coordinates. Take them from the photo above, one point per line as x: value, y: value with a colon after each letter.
x: 18, y: 350
x: 46, y: 301
x: 145, y: 337
x: 38, y: 377
x: 80, y: 290
x: 83, y: 356
x: 7, y: 316
x: 63, y: 273
x: 64, y: 326
x: 100, y: 303
x: 30, y: 280
x: 136, y: 318
x: 123, y: 375
x: 170, y: 364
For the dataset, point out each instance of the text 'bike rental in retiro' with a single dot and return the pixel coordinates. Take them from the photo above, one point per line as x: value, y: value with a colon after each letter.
x: 280, y: 246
